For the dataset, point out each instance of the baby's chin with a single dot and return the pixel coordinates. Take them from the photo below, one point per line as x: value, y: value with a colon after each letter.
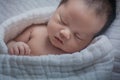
x: 67, y: 50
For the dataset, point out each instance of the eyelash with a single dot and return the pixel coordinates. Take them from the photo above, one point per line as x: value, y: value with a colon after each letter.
x: 62, y: 22
x: 77, y: 36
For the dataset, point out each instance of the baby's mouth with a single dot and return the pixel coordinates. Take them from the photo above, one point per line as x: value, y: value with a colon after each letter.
x: 59, y: 40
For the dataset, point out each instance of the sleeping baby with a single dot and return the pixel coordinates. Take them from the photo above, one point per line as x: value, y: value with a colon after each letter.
x: 71, y: 28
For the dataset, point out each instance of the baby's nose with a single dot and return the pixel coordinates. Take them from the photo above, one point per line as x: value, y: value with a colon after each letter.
x: 65, y: 33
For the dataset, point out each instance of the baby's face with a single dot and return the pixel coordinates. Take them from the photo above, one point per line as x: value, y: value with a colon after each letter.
x: 73, y: 26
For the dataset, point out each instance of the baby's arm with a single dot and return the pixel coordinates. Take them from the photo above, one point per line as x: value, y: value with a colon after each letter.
x: 18, y: 45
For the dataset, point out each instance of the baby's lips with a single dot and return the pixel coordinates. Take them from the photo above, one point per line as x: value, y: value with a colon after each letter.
x: 59, y: 39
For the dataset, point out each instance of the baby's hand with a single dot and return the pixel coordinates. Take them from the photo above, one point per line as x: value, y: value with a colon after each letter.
x: 19, y: 48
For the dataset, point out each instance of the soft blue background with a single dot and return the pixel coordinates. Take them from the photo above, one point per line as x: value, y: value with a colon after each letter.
x: 10, y: 8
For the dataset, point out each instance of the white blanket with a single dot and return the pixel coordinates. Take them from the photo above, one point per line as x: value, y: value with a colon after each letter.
x: 93, y: 63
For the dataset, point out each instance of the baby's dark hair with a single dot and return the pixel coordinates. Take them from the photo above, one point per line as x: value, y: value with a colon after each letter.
x: 101, y: 7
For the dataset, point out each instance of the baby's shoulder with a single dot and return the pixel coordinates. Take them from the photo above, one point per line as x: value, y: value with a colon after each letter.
x: 38, y: 29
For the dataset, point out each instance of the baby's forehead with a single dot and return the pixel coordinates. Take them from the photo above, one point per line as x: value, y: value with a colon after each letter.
x: 82, y: 17
x: 81, y: 7
x: 78, y: 5
x: 74, y: 9
x: 100, y: 7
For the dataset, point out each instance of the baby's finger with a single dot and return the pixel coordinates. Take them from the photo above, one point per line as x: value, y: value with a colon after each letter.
x: 22, y: 50
x: 16, y: 50
x: 11, y: 51
x: 27, y: 50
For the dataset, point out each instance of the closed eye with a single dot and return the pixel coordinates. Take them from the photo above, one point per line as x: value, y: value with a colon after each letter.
x: 78, y: 36
x: 63, y: 23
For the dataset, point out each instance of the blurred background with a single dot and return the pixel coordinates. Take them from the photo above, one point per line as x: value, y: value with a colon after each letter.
x: 10, y: 8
